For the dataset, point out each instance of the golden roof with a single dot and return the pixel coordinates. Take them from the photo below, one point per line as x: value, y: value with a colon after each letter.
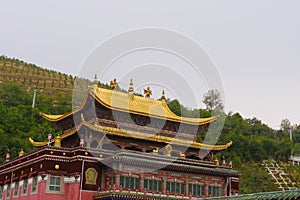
x: 131, y: 103
x: 54, y: 118
x: 138, y: 135
x: 59, y: 137
x: 156, y: 138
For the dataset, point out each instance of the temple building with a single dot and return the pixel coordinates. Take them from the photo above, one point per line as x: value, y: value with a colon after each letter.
x: 118, y: 145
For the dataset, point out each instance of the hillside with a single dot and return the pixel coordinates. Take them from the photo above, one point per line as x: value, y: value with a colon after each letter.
x: 28, y: 76
x: 253, y: 141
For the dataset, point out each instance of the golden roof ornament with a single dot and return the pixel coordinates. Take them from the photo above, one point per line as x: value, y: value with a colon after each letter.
x: 216, y: 161
x: 113, y: 83
x: 21, y: 153
x: 95, y: 80
x: 131, y: 90
x: 182, y: 155
x: 163, y: 95
x: 147, y: 92
x: 57, y: 142
x: 94, y: 86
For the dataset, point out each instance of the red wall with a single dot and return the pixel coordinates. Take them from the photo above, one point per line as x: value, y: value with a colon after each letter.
x: 86, y: 195
x: 71, y: 192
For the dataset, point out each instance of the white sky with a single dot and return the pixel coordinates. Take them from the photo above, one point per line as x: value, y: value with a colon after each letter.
x: 255, y: 44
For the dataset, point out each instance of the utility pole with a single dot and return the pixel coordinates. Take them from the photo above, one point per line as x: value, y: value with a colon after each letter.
x: 34, y: 96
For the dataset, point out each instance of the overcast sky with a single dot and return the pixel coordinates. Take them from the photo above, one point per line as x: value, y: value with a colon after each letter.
x: 255, y: 44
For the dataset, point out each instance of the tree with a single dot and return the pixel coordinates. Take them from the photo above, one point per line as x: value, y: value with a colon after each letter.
x: 175, y: 106
x: 285, y: 125
x: 271, y: 147
x: 212, y: 99
x: 296, y: 149
x: 256, y: 150
x: 296, y: 134
x: 285, y: 149
x: 12, y: 95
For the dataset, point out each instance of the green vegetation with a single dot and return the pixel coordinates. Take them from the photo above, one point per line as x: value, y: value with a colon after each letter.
x: 255, y: 179
x: 253, y: 141
x: 19, y: 121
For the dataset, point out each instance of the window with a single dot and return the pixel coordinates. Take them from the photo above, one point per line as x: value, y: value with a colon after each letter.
x: 1, y: 192
x: 55, y: 184
x: 8, y: 192
x: 215, y: 191
x: 34, y: 184
x: 153, y: 185
x: 25, y: 187
x: 129, y: 182
x: 196, y: 189
x: 16, y: 189
x: 175, y: 187
x: 112, y: 182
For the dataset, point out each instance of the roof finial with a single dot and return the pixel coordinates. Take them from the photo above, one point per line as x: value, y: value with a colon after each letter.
x: 147, y: 92
x: 163, y: 95
x: 95, y: 80
x: 21, y: 153
x: 131, y: 90
x: 113, y: 83
x: 57, y: 142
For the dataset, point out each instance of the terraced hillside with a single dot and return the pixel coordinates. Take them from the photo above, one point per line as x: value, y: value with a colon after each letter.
x: 29, y: 76
x: 281, y: 174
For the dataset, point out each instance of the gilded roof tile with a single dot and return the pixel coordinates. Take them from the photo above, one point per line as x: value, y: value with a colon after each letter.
x: 131, y: 103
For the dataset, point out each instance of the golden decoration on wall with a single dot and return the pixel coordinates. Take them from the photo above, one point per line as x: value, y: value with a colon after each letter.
x: 155, y: 150
x: 169, y: 150
x: 91, y: 175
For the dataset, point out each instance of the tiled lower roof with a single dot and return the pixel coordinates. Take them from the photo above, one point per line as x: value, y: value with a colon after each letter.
x: 278, y: 195
x: 118, y: 195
